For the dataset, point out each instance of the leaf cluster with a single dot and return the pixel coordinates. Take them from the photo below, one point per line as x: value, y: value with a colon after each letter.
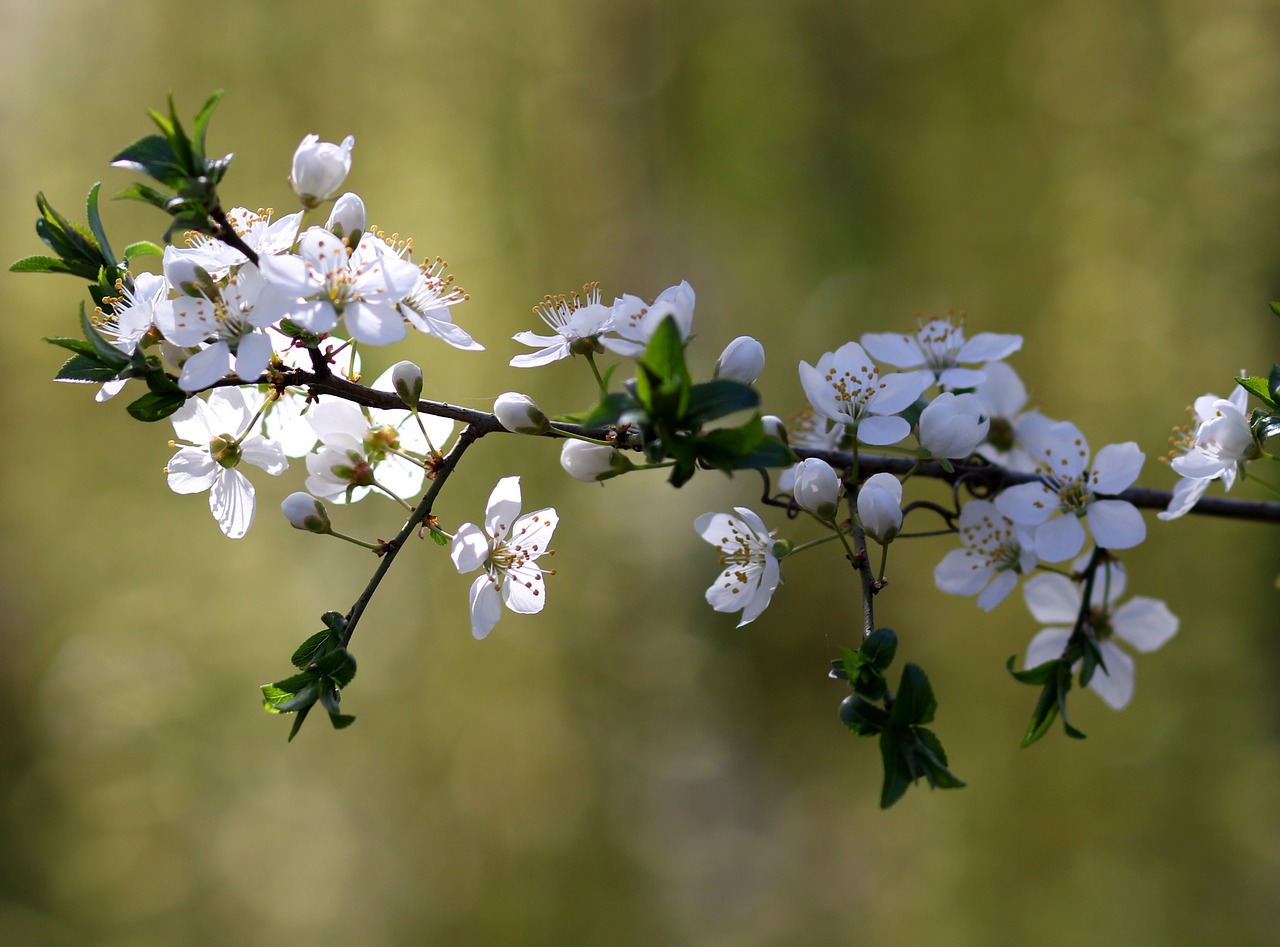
x: 1264, y: 422
x: 908, y: 750
x: 179, y: 162
x: 670, y: 411
x: 324, y: 666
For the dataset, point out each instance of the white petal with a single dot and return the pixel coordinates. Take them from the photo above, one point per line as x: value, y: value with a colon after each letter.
x: 961, y: 378
x: 1048, y: 645
x: 998, y: 590
x: 194, y: 422
x: 1186, y: 494
x: 523, y: 590
x: 486, y: 606
x: 532, y: 532
x: 759, y: 600
x: 898, y: 391
x: 895, y: 348
x: 1116, y: 467
x: 268, y: 455
x: 1115, y: 684
x: 962, y: 572
x: 231, y: 503
x: 1002, y: 394
x: 191, y: 470
x: 503, y: 507
x: 205, y: 367
x: 1146, y: 623
x: 1060, y: 538
x: 552, y: 353
x: 470, y: 548
x: 252, y: 355
x: 374, y: 324
x: 1052, y: 598
x: 1115, y: 524
x: 1028, y: 503
x: 880, y: 432
x: 989, y: 347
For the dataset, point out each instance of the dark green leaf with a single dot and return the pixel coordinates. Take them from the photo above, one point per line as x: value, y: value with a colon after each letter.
x: 896, y: 770
x: 1273, y: 383
x: 1036, y: 675
x: 148, y: 195
x: 936, y: 771
x: 880, y: 647
x: 862, y: 717
x: 770, y: 452
x: 152, y: 155
x: 157, y: 405
x: 318, y: 645
x: 710, y: 400
x: 725, y: 446
x: 297, y: 721
x: 608, y: 411
x: 338, y: 665
x: 914, y: 702
x: 662, y: 380
x: 42, y: 264
x: 84, y: 369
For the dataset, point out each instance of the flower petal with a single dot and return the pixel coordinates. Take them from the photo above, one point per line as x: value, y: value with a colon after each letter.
x: 231, y: 503
x: 470, y: 548
x: 486, y: 606
x: 1028, y: 503
x: 1052, y: 598
x: 1116, y: 467
x: 1060, y: 538
x: 1146, y: 623
x: 503, y: 507
x: 763, y: 593
x: 1115, y: 524
x: 997, y: 591
x: 1048, y: 645
x: 1115, y: 684
x: 191, y: 470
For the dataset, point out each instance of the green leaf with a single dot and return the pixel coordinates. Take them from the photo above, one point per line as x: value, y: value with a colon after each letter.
x: 725, y: 446
x: 42, y: 264
x: 84, y: 369
x: 896, y: 768
x: 935, y: 757
x: 770, y: 452
x: 1275, y: 307
x: 338, y: 666
x: 1036, y: 675
x: 106, y: 353
x: 710, y: 400
x: 662, y: 380
x: 157, y: 405
x: 201, y: 123
x: 148, y: 195
x: 862, y: 717
x: 914, y: 702
x: 285, y: 700
x: 1259, y: 388
x: 880, y: 647
x: 610, y: 409
x: 1273, y: 383
x: 95, y: 222
x: 142, y: 248
x: 316, y: 646
x: 152, y: 155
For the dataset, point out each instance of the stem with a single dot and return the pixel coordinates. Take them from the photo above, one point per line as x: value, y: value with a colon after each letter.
x: 838, y: 534
x: 420, y: 514
x: 860, y: 563
x: 591, y: 360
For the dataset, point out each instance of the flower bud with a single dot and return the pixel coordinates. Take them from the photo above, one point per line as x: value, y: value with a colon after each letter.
x: 591, y: 462
x: 773, y: 427
x: 742, y: 360
x: 303, y: 511
x: 519, y: 415
x: 319, y: 168
x: 406, y: 379
x: 347, y: 217
x: 952, y: 425
x: 817, y: 488
x: 880, y: 507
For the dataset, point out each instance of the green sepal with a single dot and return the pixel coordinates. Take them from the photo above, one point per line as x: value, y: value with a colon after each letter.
x: 84, y: 369
x: 157, y: 405
x: 710, y: 400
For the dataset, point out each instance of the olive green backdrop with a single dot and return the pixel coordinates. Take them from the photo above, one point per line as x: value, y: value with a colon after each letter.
x: 628, y: 768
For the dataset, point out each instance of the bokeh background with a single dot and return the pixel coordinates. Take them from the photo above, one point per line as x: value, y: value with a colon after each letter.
x: 1102, y: 176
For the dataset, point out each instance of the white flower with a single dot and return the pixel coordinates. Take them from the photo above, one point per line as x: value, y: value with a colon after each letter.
x: 848, y: 389
x: 952, y: 425
x: 319, y: 168
x: 303, y: 511
x: 359, y: 451
x: 132, y: 316
x: 816, y: 488
x: 1222, y: 442
x: 1003, y: 396
x: 996, y: 551
x: 635, y: 321
x: 591, y: 462
x: 1144, y: 623
x: 348, y: 216
x: 1071, y: 487
x: 286, y: 421
x: 577, y: 321
x: 519, y: 414
x: 363, y: 289
x: 880, y: 507
x: 427, y: 307
x: 751, y: 572
x: 940, y: 347
x: 218, y: 438
x: 808, y: 431
x: 506, y: 548
x: 742, y: 360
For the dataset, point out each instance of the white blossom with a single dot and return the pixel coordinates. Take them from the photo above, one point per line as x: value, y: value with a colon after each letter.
x: 305, y: 512
x: 995, y: 551
x: 847, y: 388
x: 751, y: 571
x: 1071, y: 487
x: 1220, y: 445
x: 319, y: 168
x: 952, y: 425
x: 519, y: 414
x: 577, y: 321
x: 940, y: 347
x: 742, y: 360
x: 634, y: 321
x: 588, y: 462
x: 1143, y: 623
x: 816, y: 488
x: 880, y: 507
x: 507, y: 548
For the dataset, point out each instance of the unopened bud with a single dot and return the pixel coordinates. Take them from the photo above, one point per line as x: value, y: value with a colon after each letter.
x: 348, y: 216
x: 742, y: 360
x: 519, y: 414
x: 880, y: 507
x: 406, y: 379
x: 773, y: 427
x: 319, y: 168
x: 303, y: 511
x: 592, y: 462
x: 817, y: 488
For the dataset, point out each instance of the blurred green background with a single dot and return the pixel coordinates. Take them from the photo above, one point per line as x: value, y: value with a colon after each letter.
x: 1102, y: 176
